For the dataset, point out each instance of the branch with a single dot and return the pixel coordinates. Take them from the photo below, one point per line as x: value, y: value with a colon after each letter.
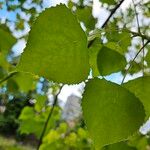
x: 7, y: 77
x: 112, y: 12
x: 135, y: 34
x: 133, y: 61
x: 136, y: 15
x: 140, y: 35
x: 107, y: 20
x: 139, y: 31
x: 143, y: 57
x: 48, y: 118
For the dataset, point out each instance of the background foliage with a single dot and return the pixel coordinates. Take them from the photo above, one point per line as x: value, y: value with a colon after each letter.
x: 68, y: 45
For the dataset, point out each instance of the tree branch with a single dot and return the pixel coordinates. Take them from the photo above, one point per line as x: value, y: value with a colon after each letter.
x: 140, y: 35
x: 133, y: 61
x: 135, y: 34
x: 136, y: 15
x: 107, y: 20
x: 112, y: 12
x: 7, y: 77
x: 48, y: 118
x: 139, y: 31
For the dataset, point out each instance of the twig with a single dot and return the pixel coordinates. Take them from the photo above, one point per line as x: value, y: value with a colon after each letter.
x: 140, y: 35
x: 139, y: 31
x: 136, y: 15
x: 135, y: 34
x: 48, y: 118
x: 107, y: 20
x: 7, y: 77
x: 112, y: 12
x: 133, y: 61
x: 143, y: 56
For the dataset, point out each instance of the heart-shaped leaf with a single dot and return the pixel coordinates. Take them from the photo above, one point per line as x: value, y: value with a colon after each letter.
x: 141, y: 88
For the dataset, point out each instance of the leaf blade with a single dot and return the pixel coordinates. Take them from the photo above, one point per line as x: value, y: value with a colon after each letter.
x: 110, y: 61
x: 60, y: 50
x: 140, y: 87
x: 114, y: 108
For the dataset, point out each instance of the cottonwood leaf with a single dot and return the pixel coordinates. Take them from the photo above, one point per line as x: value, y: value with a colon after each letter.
x: 110, y: 61
x: 57, y: 47
x: 141, y: 88
x: 111, y: 112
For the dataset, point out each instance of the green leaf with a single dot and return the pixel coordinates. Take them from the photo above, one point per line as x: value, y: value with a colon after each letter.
x: 85, y: 16
x: 136, y: 67
x: 33, y: 122
x: 115, y: 47
x: 119, y: 146
x: 111, y: 112
x: 30, y: 122
x: 141, y: 88
x: 3, y: 73
x: 139, y: 141
x: 110, y: 61
x: 109, y: 2
x: 57, y: 47
x: 12, y: 86
x: 6, y: 40
x: 26, y: 113
x: 121, y: 38
x: 25, y: 81
x: 93, y: 53
x: 40, y: 102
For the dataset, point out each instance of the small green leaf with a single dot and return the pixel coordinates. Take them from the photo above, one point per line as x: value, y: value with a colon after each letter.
x: 109, y: 2
x: 139, y: 141
x: 115, y: 47
x: 33, y: 122
x: 141, y: 88
x: 121, y: 38
x: 40, y: 102
x: 12, y: 86
x: 3, y: 73
x: 57, y: 47
x: 6, y: 40
x: 85, y: 16
x: 25, y: 81
x: 26, y: 113
x: 111, y: 112
x: 110, y: 61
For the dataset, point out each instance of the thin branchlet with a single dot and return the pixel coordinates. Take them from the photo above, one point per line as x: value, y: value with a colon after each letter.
x: 107, y: 20
x: 48, y: 119
x: 133, y: 61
